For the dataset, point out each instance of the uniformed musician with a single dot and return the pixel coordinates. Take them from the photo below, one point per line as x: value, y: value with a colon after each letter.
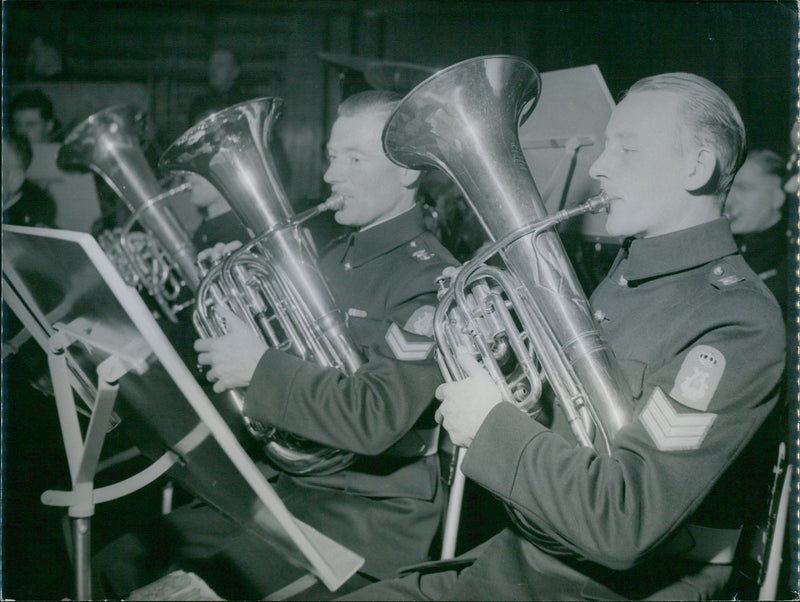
x: 758, y: 222
x: 387, y: 505
x: 700, y: 339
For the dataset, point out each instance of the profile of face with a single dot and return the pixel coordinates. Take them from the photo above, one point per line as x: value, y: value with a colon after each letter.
x: 13, y: 173
x: 31, y: 124
x: 755, y: 200
x: 222, y: 70
x: 643, y: 166
x: 371, y: 186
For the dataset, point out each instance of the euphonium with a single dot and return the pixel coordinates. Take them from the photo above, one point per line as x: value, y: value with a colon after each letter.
x: 160, y: 260
x: 529, y: 322
x: 273, y: 282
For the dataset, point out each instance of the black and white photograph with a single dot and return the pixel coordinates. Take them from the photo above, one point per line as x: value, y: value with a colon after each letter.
x: 400, y: 300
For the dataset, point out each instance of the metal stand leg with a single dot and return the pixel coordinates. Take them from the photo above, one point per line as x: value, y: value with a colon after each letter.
x: 82, y: 537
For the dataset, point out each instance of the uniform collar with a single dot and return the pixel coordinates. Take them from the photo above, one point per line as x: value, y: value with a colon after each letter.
x: 678, y: 251
x: 366, y: 245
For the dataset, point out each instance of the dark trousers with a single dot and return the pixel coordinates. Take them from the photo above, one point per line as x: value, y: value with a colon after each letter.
x: 239, y: 564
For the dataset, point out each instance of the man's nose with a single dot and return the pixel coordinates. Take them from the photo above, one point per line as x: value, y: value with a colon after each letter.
x: 331, y: 174
x: 596, y: 169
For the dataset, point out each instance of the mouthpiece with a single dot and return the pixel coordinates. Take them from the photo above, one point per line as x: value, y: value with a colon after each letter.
x: 599, y: 203
x: 334, y: 203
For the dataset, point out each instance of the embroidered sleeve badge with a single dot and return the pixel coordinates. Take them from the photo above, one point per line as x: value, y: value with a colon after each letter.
x: 407, y: 346
x: 698, y: 377
x: 670, y: 430
x: 421, y: 321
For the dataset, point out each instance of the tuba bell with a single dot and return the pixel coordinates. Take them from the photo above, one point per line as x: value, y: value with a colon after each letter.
x: 272, y: 282
x: 528, y: 322
x: 160, y: 259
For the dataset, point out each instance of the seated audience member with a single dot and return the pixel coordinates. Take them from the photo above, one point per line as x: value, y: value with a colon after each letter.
x: 24, y: 203
x: 760, y: 227
x: 700, y: 340
x: 31, y: 115
x: 387, y: 505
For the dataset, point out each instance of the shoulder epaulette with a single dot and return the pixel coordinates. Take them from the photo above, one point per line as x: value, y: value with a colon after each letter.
x: 723, y: 274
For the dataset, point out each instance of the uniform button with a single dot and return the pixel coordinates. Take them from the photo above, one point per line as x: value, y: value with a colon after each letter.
x: 718, y: 270
x: 348, y: 266
x: 622, y: 280
x: 599, y: 315
x: 412, y: 244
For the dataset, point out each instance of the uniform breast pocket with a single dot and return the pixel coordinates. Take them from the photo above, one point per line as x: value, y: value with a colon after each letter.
x: 634, y: 371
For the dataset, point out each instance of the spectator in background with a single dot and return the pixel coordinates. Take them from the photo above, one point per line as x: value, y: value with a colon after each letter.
x: 223, y: 89
x: 755, y: 209
x: 24, y: 203
x: 31, y: 115
x: 44, y: 61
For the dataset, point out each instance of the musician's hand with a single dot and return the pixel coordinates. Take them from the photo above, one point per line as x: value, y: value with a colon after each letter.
x: 218, y: 251
x: 466, y: 403
x: 232, y: 357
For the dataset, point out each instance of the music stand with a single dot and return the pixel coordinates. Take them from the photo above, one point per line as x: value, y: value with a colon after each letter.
x: 563, y: 137
x: 103, y: 343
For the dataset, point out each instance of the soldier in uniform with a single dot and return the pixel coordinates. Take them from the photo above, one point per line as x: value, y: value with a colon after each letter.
x: 760, y: 226
x: 700, y: 340
x: 387, y: 505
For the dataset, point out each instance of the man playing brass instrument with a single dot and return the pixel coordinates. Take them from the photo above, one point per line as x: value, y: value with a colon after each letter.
x: 700, y: 340
x: 387, y: 505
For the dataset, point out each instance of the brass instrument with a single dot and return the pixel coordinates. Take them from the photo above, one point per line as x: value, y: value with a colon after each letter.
x: 528, y: 322
x: 160, y: 260
x: 273, y: 282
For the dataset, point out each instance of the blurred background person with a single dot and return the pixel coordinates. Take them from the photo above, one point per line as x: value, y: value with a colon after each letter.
x: 759, y: 224
x: 44, y: 61
x: 792, y: 183
x: 24, y: 203
x: 223, y: 87
x: 31, y: 115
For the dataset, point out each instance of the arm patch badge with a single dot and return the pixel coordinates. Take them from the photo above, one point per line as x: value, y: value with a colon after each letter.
x: 698, y: 377
x: 670, y: 430
x: 421, y: 321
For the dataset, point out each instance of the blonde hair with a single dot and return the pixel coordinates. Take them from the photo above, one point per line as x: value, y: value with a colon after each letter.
x: 711, y: 119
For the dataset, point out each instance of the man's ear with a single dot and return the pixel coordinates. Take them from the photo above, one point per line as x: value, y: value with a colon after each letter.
x: 410, y: 177
x: 48, y: 127
x: 701, y: 167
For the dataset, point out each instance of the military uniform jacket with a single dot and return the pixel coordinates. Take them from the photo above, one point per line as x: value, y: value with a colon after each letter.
x: 767, y: 253
x: 384, y: 280
x: 701, y: 342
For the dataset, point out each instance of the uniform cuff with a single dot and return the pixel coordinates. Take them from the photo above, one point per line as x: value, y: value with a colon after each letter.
x: 266, y: 396
x: 495, y: 452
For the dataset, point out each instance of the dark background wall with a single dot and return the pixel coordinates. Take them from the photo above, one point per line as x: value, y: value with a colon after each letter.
x: 748, y: 48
